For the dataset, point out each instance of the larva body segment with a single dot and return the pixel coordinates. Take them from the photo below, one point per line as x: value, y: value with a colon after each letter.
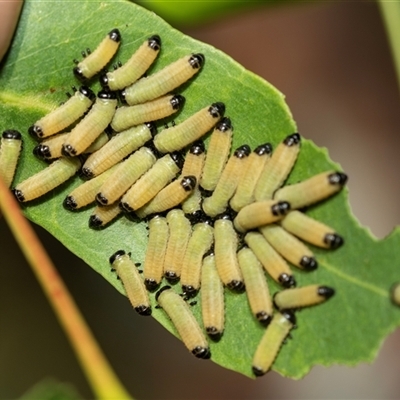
x: 10, y: 150
x: 190, y: 130
x: 46, y: 180
x: 135, y: 67
x: 65, y: 115
x: 184, y: 322
x: 91, y: 126
x: 163, y: 81
x: 95, y: 61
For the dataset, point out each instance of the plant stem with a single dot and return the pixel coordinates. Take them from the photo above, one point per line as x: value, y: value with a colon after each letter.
x: 101, y: 377
x: 391, y: 16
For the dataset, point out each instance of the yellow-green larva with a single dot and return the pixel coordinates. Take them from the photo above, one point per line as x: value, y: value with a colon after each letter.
x: 91, y: 126
x: 65, y: 115
x: 271, y: 260
x: 128, y: 116
x: 50, y: 148
x: 125, y: 174
x: 259, y: 214
x: 193, y: 165
x: 212, y: 299
x: 395, y: 294
x: 292, y: 299
x: 199, y: 243
x: 278, y: 168
x: 135, y: 67
x: 227, y: 184
x: 311, y: 230
x: 101, y: 216
x: 190, y: 130
x: 10, y: 150
x: 119, y: 147
x: 148, y: 185
x: 244, y: 194
x: 218, y: 152
x: 85, y: 193
x: 155, y: 254
x: 180, y: 230
x: 271, y: 342
x: 312, y: 190
x: 289, y: 247
x: 132, y: 282
x: 46, y: 180
x: 225, y: 248
x: 184, y: 322
x: 163, y: 81
x: 96, y: 60
x: 169, y: 197
x: 257, y: 291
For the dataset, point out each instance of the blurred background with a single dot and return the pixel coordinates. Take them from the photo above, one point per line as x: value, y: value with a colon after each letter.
x: 333, y: 62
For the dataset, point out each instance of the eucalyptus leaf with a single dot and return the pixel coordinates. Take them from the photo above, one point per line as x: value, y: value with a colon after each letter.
x: 38, y: 71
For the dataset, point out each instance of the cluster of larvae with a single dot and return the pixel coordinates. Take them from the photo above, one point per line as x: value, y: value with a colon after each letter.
x: 215, y: 220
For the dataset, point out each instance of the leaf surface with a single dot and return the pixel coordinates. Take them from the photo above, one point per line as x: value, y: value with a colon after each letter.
x: 38, y: 71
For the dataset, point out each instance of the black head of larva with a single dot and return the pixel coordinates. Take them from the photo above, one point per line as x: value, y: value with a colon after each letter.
x: 242, y: 151
x: 225, y: 215
x: 280, y: 208
x: 143, y: 310
x: 154, y: 42
x: 292, y: 140
x: 95, y: 222
x: 224, y: 125
x: 124, y: 206
x: 326, y: 292
x: 101, y: 199
x: 257, y: 371
x: 264, y: 318
x: 217, y: 110
x: 188, y: 183
x: 78, y: 73
x: 115, y: 35
x: 11, y: 134
x: 151, y: 284
x: 87, y: 173
x: 337, y: 178
x: 197, y: 148
x: 163, y: 289
x: 236, y: 286
x: 68, y: 151
x: 103, y: 79
x: 152, y: 128
x: 69, y: 203
x: 202, y: 352
x: 214, y: 333
x: 189, y: 291
x: 286, y: 280
x: 177, y: 102
x: 196, y: 61
x: 262, y: 149
x: 116, y: 255
x: 19, y: 195
x: 309, y: 263
x: 290, y: 316
x: 171, y: 277
x: 178, y: 158
x: 107, y: 95
x: 35, y: 131
x: 333, y: 240
x: 42, y: 151
x: 87, y: 92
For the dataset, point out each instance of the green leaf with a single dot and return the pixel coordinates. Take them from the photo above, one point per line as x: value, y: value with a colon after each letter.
x: 189, y: 12
x: 348, y: 329
x: 50, y: 389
